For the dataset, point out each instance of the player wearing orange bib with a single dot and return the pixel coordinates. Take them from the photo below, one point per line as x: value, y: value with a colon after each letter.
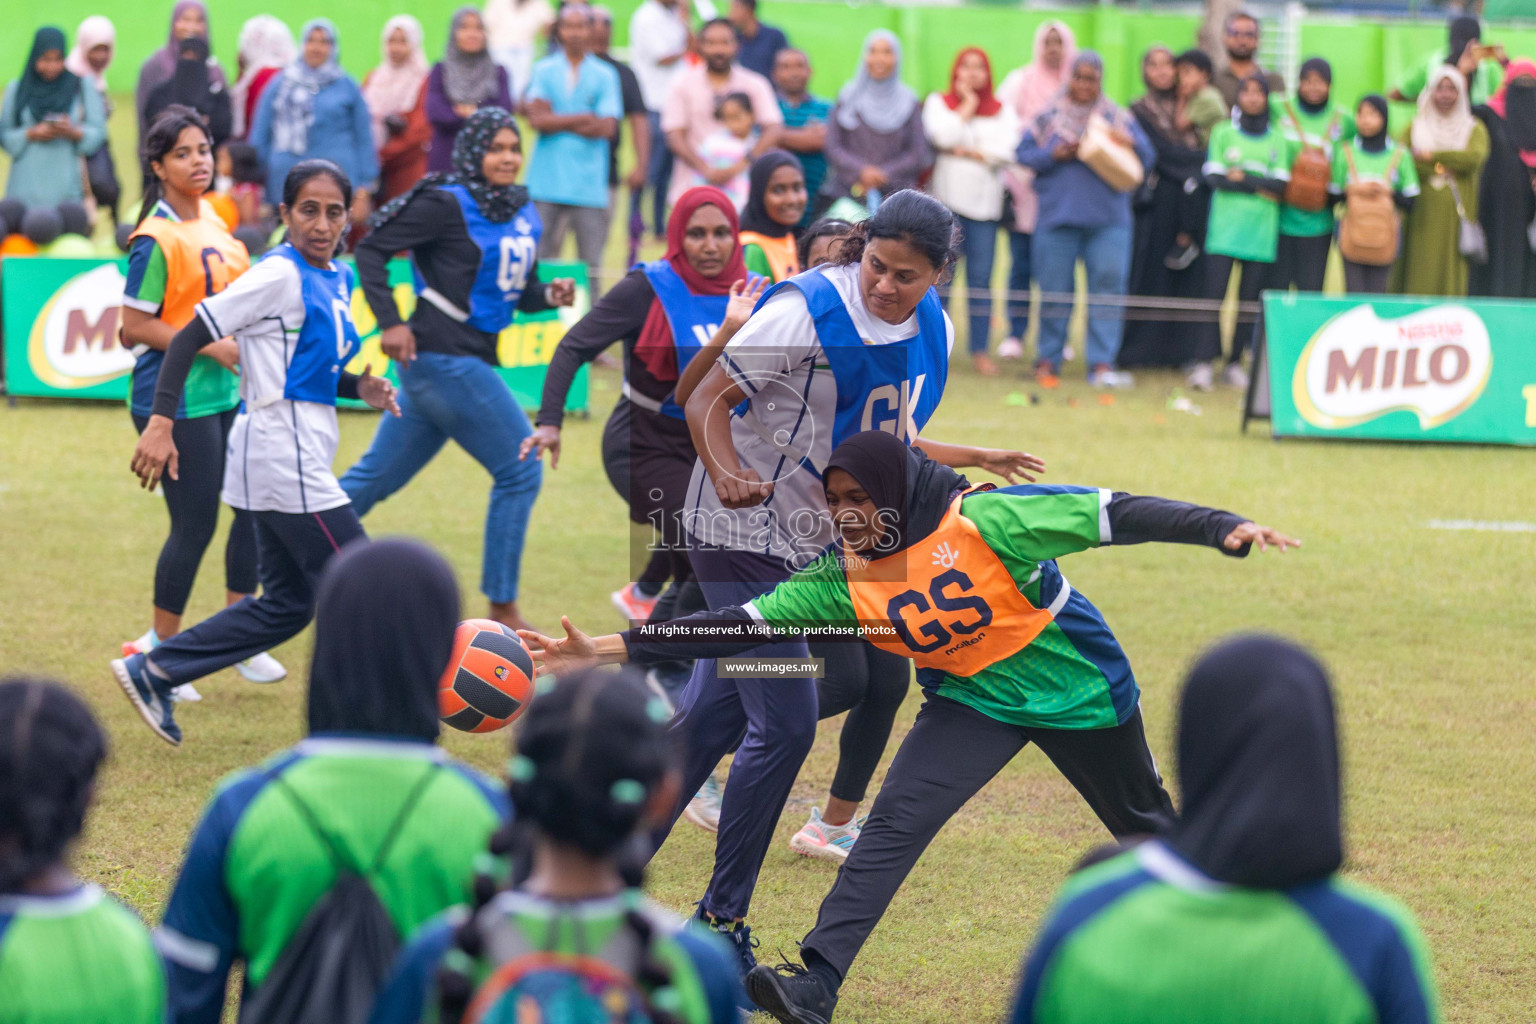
x: 181, y: 254
x: 964, y: 582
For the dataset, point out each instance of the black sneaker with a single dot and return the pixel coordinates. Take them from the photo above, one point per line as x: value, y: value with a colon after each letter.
x: 150, y: 695
x: 791, y: 993
x: 737, y: 934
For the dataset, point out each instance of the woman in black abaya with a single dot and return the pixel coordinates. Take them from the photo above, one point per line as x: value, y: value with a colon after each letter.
x: 1506, y: 202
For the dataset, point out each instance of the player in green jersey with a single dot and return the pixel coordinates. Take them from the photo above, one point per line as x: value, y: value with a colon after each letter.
x: 367, y: 793
x: 964, y: 582
x: 575, y: 940
x: 1237, y: 914
x: 69, y: 953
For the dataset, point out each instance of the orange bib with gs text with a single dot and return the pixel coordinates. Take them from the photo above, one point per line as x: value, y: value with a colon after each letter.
x: 949, y: 601
x: 201, y: 259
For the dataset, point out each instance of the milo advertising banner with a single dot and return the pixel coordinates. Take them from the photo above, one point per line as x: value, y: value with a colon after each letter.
x: 61, y: 317
x: 1401, y: 368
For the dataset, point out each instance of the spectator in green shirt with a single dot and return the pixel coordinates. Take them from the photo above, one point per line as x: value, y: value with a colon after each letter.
x: 1309, y: 120
x: 1483, y: 67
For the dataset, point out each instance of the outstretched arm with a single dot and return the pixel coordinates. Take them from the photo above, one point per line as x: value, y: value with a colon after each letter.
x: 1003, y: 462
x: 1138, y: 519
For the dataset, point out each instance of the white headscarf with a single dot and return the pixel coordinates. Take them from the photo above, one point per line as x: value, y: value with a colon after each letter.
x: 881, y: 105
x: 265, y: 42
x: 1434, y: 132
x: 394, y: 88
x: 93, y: 32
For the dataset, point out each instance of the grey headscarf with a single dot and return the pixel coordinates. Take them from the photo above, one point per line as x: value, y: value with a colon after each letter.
x: 881, y: 105
x: 293, y: 109
x: 467, y: 77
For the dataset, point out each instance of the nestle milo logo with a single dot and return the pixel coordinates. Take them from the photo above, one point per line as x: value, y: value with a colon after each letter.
x: 1433, y: 363
x: 74, y: 343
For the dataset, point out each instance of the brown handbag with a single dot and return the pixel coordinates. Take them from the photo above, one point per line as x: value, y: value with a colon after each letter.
x: 1311, y: 171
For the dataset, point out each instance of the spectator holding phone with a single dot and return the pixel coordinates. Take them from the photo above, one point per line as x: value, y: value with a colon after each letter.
x: 1482, y: 66
x: 48, y: 122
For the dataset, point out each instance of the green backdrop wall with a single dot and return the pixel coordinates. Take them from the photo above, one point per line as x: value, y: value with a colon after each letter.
x: 1366, y: 56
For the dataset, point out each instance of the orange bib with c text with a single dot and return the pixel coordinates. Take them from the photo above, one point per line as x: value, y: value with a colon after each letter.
x: 201, y: 259
x: 950, y: 602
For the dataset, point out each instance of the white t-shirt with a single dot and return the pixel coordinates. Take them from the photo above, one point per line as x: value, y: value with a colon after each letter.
x: 280, y: 454
x: 656, y: 32
x: 778, y: 360
x: 969, y: 187
x: 516, y: 25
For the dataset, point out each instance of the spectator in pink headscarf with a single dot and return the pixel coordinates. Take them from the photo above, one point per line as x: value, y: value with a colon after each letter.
x: 95, y: 45
x: 1028, y: 91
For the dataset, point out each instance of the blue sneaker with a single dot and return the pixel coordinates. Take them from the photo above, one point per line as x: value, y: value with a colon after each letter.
x: 149, y: 694
x: 736, y: 933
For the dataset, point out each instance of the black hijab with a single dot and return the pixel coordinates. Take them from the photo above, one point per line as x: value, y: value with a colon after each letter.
x: 1259, y: 766
x: 1378, y: 142
x: 384, y: 627
x: 1464, y: 29
x: 909, y: 488
x: 755, y: 216
x: 1314, y: 65
x: 1252, y: 124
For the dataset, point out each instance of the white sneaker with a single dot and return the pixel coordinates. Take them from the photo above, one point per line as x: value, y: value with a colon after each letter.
x: 704, y: 809
x: 823, y: 841
x: 1010, y: 348
x: 1111, y: 379
x: 263, y: 668
x: 1068, y: 353
x: 1201, y: 377
x: 186, y: 693
x: 1235, y: 376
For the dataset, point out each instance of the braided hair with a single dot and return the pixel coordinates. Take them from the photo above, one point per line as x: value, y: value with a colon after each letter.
x: 50, y: 748
x: 590, y: 752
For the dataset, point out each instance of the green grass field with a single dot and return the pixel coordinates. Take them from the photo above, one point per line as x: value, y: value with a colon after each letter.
x: 1426, y: 633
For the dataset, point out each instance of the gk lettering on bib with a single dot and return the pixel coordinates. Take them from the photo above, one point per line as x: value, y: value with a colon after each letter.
x: 951, y: 602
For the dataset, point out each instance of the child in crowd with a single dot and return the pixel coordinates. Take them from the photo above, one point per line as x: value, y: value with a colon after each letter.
x: 730, y: 146
x: 68, y: 951
x: 238, y: 174
x: 575, y: 939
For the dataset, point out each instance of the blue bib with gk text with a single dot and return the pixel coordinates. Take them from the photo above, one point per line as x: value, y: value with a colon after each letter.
x: 878, y: 386
x: 327, y: 339
x: 507, y: 252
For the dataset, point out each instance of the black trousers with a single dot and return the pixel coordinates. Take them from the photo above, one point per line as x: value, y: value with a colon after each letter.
x: 1301, y: 260
x: 294, y: 549
x: 951, y: 752
x: 870, y: 685
x: 1363, y: 279
x: 1218, y: 272
x: 193, y: 504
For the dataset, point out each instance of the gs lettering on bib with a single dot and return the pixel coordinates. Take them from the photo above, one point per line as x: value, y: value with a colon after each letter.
x: 693, y: 319
x: 328, y: 338
x: 879, y: 387
x: 951, y: 603
x: 507, y: 252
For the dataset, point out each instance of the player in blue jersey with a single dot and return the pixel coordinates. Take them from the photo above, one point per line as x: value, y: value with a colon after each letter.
x: 859, y: 344
x: 69, y: 953
x: 472, y: 235
x: 291, y: 316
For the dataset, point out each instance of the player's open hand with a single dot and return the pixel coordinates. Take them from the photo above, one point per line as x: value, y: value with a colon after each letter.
x: 155, y: 454
x: 743, y: 300
x: 552, y: 656
x: 1010, y: 465
x: 545, y: 438
x: 1264, y: 536
x: 377, y: 391
x: 742, y: 489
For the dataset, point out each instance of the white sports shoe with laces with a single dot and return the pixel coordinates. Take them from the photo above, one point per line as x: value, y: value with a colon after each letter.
x: 826, y: 842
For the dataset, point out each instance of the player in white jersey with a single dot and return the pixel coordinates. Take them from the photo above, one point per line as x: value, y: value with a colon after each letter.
x: 291, y: 316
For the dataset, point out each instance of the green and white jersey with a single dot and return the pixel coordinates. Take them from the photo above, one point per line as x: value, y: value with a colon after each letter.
x: 255, y: 866
x: 78, y: 958
x: 703, y: 984
x: 1072, y: 675
x: 1323, y: 130
x: 1402, y: 178
x: 1146, y: 938
x: 1246, y: 225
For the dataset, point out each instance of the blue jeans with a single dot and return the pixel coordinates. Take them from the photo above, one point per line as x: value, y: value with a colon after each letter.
x: 660, y: 172
x: 980, y: 249
x: 463, y: 398
x: 1106, y: 254
x: 1019, y: 273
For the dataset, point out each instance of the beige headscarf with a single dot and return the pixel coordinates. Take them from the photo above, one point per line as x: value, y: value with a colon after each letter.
x: 1434, y: 132
x: 394, y: 88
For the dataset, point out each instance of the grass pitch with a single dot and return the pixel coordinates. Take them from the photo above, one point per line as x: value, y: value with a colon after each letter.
x: 1426, y: 631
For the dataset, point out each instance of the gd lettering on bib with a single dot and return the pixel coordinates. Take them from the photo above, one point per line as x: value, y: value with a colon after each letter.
x: 951, y: 602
